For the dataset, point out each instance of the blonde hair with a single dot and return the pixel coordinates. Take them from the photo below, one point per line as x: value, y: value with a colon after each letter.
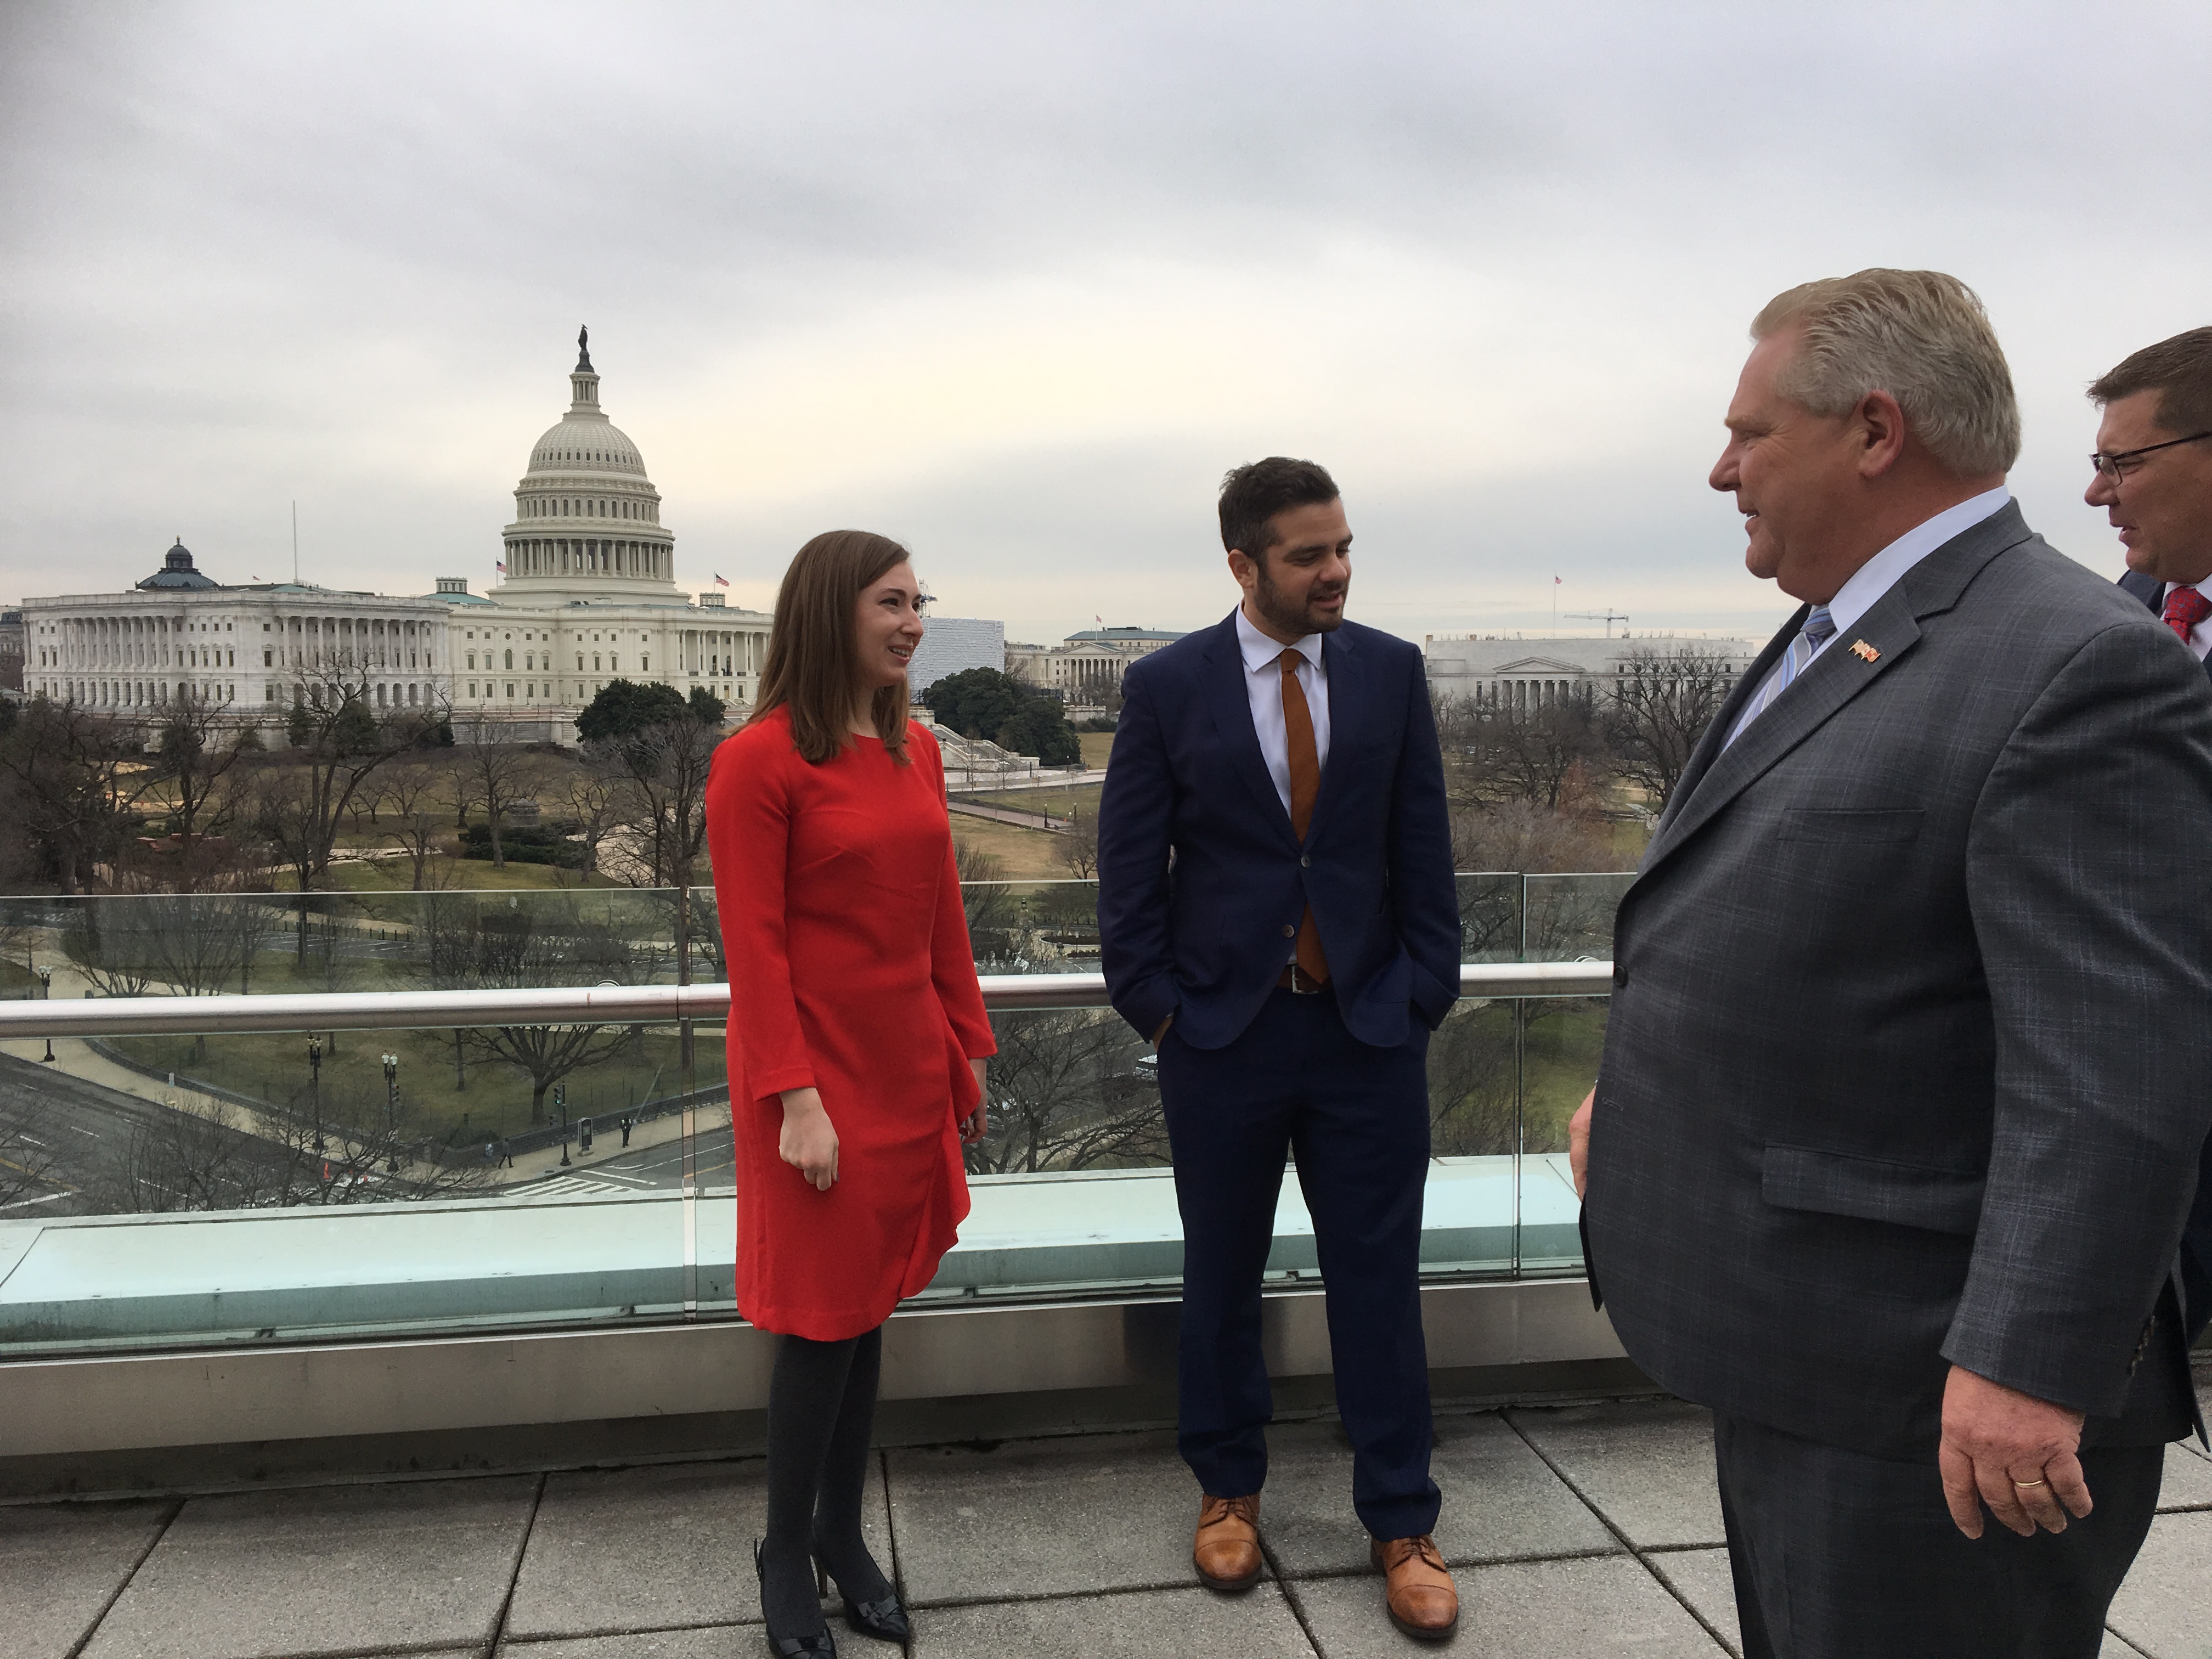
x: 1920, y: 335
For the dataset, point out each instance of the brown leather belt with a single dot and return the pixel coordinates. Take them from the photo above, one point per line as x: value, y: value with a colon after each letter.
x: 1304, y: 985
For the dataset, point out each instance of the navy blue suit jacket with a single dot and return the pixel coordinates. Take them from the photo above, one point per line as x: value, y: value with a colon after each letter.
x: 1202, y: 881
x: 2197, y: 1240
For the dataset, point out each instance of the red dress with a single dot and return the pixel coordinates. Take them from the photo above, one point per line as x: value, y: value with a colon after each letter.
x: 850, y: 971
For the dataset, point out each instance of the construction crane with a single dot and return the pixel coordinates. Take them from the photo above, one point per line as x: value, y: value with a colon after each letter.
x: 1607, y: 618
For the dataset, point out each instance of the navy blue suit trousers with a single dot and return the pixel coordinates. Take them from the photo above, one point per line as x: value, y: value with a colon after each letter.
x: 1355, y: 1117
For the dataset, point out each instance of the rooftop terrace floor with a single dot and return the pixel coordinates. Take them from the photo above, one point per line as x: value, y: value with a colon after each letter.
x: 1585, y: 1531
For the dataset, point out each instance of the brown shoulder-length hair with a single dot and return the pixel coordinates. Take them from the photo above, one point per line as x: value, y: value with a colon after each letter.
x: 813, y: 652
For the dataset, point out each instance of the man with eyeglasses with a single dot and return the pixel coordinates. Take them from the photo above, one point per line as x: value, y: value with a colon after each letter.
x: 2154, y: 464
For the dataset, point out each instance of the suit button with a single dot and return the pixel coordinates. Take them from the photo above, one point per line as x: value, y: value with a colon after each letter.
x: 1290, y: 931
x: 1305, y: 860
x: 1619, y: 975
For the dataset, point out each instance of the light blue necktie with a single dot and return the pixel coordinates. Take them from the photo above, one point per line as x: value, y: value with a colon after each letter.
x: 1819, y: 628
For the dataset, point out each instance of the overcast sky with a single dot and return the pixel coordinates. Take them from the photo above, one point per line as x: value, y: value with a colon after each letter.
x: 1016, y: 283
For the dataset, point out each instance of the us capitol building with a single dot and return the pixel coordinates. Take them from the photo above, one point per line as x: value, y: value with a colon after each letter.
x: 589, y: 595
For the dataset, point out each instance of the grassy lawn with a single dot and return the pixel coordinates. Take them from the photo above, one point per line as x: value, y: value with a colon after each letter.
x: 387, y: 875
x: 488, y: 1097
x: 1023, y: 854
x: 1096, y: 745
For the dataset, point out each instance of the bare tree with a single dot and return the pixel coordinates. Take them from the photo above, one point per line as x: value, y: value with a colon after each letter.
x: 1066, y: 1093
x: 1524, y: 754
x: 591, y: 795
x: 1078, y: 845
x: 197, y: 742
x: 409, y: 789
x: 473, y: 946
x: 337, y: 744
x: 175, y: 1160
x: 72, y: 778
x: 496, y: 773
x: 995, y: 929
x: 1662, y: 702
x: 663, y: 767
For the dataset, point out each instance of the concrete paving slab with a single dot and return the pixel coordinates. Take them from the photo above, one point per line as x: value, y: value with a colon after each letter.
x: 2165, y: 1608
x: 642, y: 1549
x: 1648, y: 1466
x: 1602, y: 1607
x: 2114, y: 1647
x: 1501, y: 1502
x: 2188, y: 1482
x: 1042, y: 1517
x: 60, y: 1565
x: 1144, y: 1625
x: 258, y: 1575
x: 722, y: 1642
x: 1702, y: 1578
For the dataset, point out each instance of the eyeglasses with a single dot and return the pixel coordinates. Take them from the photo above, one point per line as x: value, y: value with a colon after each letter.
x: 2117, y: 467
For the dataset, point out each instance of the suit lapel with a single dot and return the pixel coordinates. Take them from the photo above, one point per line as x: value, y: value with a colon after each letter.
x: 1232, y: 706
x: 1830, y: 681
x: 1839, y: 674
x: 1709, y: 746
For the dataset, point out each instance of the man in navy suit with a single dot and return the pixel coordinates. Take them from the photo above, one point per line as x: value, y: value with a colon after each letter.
x: 2154, y: 463
x: 1278, y: 917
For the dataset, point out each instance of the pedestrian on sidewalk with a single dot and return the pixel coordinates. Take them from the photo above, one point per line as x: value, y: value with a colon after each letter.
x: 857, y: 1042
x: 1278, y: 917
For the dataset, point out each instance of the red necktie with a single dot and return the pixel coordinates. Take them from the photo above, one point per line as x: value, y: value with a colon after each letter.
x: 2184, y: 608
x: 1305, y: 784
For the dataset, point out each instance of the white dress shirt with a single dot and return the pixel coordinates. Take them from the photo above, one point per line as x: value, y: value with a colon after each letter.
x: 2200, y: 637
x: 1263, y: 683
x: 1884, y: 571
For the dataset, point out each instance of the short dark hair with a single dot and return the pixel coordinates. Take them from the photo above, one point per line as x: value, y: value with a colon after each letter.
x: 2179, y: 370
x: 1253, y: 493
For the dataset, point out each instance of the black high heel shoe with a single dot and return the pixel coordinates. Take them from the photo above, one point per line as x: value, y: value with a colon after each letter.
x: 824, y: 1646
x: 885, y: 1619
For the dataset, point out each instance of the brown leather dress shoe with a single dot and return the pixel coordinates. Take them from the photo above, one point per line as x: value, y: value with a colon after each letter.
x: 1417, y: 1587
x: 1226, y: 1551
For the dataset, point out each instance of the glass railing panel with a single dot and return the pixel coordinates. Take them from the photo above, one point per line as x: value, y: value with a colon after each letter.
x: 1569, y: 918
x: 1489, y: 916
x: 247, y: 1187
x: 1562, y: 1041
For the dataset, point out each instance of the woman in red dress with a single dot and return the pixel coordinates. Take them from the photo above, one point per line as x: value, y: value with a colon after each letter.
x: 857, y: 1042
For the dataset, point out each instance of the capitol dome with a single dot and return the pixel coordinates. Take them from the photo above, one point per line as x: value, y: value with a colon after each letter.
x: 587, y: 518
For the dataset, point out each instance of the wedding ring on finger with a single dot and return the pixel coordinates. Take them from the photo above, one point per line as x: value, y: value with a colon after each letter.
x: 2028, y: 1486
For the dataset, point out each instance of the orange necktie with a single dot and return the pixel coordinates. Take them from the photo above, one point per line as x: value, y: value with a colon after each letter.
x: 1305, y: 784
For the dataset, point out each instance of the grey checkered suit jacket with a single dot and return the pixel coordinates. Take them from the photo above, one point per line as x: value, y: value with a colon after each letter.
x: 1907, y: 1051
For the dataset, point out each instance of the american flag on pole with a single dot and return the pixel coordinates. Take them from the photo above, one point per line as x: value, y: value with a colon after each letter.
x: 500, y: 565
x: 720, y: 581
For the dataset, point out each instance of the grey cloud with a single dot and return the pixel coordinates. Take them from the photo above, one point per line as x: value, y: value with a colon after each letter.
x: 335, y: 253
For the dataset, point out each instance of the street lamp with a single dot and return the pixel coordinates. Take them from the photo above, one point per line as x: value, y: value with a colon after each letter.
x: 46, y: 995
x: 315, y: 1085
x: 561, y: 1105
x: 390, y: 1113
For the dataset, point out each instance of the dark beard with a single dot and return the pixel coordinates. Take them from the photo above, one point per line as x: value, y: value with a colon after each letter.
x: 1268, y: 600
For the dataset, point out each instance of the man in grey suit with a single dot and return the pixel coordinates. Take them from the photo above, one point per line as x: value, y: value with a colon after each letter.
x: 1905, y: 1081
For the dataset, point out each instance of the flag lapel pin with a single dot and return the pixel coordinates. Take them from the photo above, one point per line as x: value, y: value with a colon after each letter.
x: 1864, y: 652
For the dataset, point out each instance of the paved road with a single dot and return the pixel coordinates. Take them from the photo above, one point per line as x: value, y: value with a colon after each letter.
x: 646, y: 1168
x: 77, y: 1125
